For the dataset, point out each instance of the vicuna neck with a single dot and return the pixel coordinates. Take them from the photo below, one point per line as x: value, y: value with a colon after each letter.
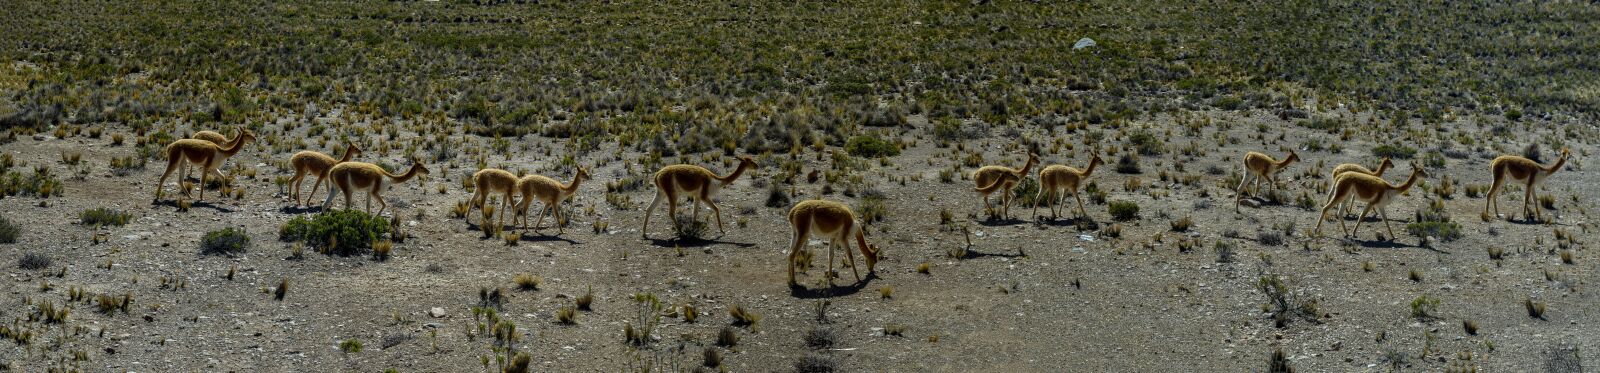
x: 572, y: 187
x: 735, y: 174
x: 1028, y: 166
x: 234, y: 147
x: 1557, y: 166
x: 1415, y: 175
x: 1092, y: 164
x: 410, y: 173
x: 348, y: 152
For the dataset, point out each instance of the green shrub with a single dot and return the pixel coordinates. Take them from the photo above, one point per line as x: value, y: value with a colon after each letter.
x: 350, y: 346
x: 343, y: 232
x: 1146, y: 143
x: 9, y: 231
x: 948, y: 129
x: 225, y: 241
x: 1124, y: 210
x: 871, y: 146
x: 1443, y: 230
x: 104, y: 216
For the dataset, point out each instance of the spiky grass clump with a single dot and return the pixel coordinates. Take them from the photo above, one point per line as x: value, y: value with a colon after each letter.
x: 527, y: 281
x: 584, y: 301
x: 567, y: 315
x: 820, y: 338
x: 743, y: 317
x: 381, y: 250
x: 728, y: 337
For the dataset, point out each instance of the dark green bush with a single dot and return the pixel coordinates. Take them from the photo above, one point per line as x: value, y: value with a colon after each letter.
x: 104, y: 216
x: 1228, y: 103
x: 1124, y: 210
x: 33, y: 261
x: 871, y: 146
x: 225, y: 241
x: 343, y: 232
x: 1128, y: 164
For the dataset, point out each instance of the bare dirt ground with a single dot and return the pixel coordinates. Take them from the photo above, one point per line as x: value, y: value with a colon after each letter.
x: 1028, y: 296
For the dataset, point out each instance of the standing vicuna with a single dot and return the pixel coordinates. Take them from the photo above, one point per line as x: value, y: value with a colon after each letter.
x: 1260, y: 167
x: 349, y: 176
x: 549, y: 191
x: 988, y: 174
x: 1373, y: 190
x: 492, y: 181
x: 1055, y: 178
x: 200, y: 152
x: 1342, y: 168
x: 695, y: 182
x: 1525, y: 170
x: 222, y: 142
x: 835, y: 221
x: 315, y: 163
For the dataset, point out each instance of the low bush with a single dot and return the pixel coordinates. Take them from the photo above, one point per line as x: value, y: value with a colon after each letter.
x: 342, y: 232
x: 33, y: 261
x: 1124, y: 210
x: 871, y: 146
x: 225, y: 241
x: 104, y: 216
x: 9, y: 231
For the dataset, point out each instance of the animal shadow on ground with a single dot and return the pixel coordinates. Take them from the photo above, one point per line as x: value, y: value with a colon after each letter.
x: 300, y: 210
x: 541, y: 237
x: 994, y: 221
x: 800, y: 291
x: 1068, y: 222
x: 695, y: 242
x: 975, y: 254
x: 198, y: 204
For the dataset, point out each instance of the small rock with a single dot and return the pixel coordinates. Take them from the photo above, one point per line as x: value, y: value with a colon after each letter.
x: 436, y: 312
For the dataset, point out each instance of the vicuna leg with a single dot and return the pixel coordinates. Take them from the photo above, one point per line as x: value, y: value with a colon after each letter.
x: 796, y: 243
x: 1360, y: 219
x: 299, y: 177
x: 660, y: 192
x: 172, y: 164
x: 1494, y: 189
